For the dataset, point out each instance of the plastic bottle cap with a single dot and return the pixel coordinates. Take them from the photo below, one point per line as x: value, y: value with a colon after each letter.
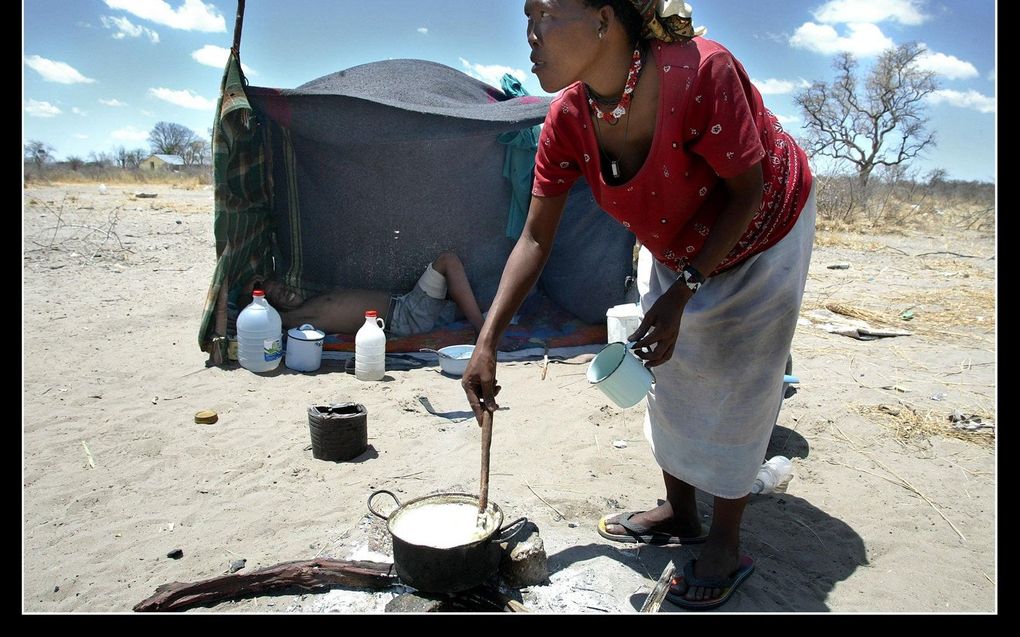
x: 206, y: 417
x: 258, y: 293
x: 371, y: 314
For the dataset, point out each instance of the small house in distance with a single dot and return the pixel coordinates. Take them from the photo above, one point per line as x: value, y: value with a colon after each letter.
x: 162, y: 162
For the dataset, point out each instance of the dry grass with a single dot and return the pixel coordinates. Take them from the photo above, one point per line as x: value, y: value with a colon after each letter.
x: 187, y: 178
x: 952, y: 307
x: 864, y: 315
x: 902, y: 204
x: 75, y: 231
x: 968, y: 215
x: 843, y: 238
x: 912, y: 426
x: 935, y: 314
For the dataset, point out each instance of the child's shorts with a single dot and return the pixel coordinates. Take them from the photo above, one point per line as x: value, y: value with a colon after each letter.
x: 422, y: 309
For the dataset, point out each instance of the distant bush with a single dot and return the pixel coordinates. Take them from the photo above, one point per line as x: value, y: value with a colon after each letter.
x: 893, y: 200
x: 897, y: 201
x: 88, y: 173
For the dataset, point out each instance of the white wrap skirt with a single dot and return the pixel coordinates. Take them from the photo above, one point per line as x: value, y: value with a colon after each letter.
x: 714, y: 403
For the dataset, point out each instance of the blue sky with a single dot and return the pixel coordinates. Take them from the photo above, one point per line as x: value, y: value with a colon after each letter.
x: 98, y: 74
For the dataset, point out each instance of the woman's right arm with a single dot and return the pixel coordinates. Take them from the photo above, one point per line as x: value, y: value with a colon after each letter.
x: 519, y: 276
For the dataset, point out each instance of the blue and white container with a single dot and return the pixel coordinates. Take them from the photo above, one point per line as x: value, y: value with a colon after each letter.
x: 259, y: 335
x: 304, y: 348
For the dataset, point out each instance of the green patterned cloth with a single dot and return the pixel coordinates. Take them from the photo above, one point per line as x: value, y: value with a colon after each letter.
x: 243, y: 208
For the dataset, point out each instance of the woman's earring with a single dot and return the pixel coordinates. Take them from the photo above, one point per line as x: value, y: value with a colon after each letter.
x: 601, y: 33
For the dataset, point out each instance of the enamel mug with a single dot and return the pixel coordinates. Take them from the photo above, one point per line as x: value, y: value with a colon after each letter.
x: 620, y: 374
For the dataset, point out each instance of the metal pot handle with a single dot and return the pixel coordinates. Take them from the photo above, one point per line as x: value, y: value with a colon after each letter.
x: 499, y: 533
x: 380, y: 492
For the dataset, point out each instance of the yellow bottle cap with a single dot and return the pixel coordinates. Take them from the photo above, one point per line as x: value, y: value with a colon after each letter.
x: 206, y: 417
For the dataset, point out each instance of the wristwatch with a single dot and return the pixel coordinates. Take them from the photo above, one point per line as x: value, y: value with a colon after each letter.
x: 692, y: 278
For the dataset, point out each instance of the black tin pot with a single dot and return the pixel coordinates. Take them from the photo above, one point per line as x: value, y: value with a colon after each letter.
x: 445, y: 570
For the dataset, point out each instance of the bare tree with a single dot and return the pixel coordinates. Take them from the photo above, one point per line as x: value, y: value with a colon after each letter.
x: 197, y: 152
x: 168, y: 138
x: 882, y: 123
x: 134, y: 158
x: 39, y: 153
x: 101, y: 159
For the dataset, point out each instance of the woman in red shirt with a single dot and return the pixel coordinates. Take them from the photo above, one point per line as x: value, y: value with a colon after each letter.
x: 677, y: 145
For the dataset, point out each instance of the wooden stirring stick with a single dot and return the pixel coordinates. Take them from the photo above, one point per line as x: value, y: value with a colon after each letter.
x: 483, y: 498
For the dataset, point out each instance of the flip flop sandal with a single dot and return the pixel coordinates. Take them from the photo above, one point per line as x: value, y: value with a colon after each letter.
x: 727, y: 584
x: 639, y: 534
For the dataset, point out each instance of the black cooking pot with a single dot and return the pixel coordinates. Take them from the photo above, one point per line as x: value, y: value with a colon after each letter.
x: 445, y: 570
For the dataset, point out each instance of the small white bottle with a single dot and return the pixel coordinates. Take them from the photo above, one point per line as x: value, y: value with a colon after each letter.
x: 259, y: 335
x: 370, y: 348
x: 774, y: 476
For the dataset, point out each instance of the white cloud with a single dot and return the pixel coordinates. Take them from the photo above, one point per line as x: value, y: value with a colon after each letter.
x: 991, y: 75
x: 946, y: 65
x: 185, y: 98
x: 80, y: 136
x: 845, y: 11
x: 148, y: 113
x: 491, y: 73
x: 864, y: 40
x: 969, y: 99
x: 78, y: 111
x: 216, y: 57
x: 130, y: 134
x: 127, y: 29
x: 193, y: 15
x: 53, y: 71
x: 423, y: 30
x: 778, y: 38
x: 773, y: 86
x: 114, y: 102
x: 787, y: 120
x: 36, y: 108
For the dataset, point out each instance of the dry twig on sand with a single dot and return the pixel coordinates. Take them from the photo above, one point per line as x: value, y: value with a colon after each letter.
x: 910, y: 425
x: 562, y: 517
x: 901, y: 481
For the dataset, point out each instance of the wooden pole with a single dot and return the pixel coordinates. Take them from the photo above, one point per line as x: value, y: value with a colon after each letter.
x: 483, y: 498
x: 238, y: 23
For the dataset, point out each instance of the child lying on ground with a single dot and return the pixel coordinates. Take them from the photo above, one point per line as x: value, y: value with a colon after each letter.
x: 342, y: 311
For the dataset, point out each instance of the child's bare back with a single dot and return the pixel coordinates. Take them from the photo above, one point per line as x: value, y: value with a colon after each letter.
x: 338, y: 311
x: 342, y: 311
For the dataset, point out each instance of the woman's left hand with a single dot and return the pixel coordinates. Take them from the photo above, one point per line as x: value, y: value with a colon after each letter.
x: 660, y: 327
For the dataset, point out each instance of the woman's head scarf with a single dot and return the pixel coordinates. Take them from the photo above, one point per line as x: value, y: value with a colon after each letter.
x: 667, y: 20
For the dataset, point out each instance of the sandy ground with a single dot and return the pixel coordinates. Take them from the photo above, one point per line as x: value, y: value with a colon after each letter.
x: 880, y: 516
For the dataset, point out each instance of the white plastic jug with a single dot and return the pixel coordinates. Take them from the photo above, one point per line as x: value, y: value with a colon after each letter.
x: 370, y: 348
x: 622, y: 321
x: 259, y: 335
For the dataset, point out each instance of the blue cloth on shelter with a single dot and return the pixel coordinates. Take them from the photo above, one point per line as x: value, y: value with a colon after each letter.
x: 519, y: 163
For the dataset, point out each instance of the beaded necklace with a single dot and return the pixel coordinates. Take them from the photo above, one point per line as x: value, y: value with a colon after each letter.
x: 612, y: 117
